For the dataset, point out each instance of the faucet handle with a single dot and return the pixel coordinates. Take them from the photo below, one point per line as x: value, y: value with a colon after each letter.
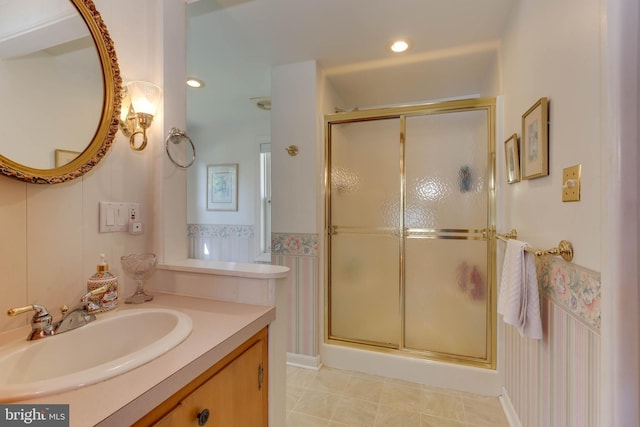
x: 92, y: 305
x: 40, y: 322
x: 39, y: 309
x: 19, y: 310
x: 96, y: 291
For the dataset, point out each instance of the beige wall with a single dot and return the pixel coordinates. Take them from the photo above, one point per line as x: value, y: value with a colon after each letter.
x: 552, y: 49
x: 294, y: 122
x: 50, y: 239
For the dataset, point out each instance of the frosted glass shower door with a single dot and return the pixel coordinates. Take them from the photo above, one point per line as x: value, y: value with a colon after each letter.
x: 364, y: 244
x: 410, y: 214
x: 447, y: 280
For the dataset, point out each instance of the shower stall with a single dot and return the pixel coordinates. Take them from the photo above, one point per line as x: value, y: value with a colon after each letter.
x: 410, y: 260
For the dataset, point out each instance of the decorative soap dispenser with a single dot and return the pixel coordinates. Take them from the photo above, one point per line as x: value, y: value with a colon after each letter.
x: 109, y: 299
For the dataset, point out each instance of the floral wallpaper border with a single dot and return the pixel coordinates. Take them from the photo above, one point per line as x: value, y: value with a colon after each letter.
x: 575, y: 288
x: 220, y: 231
x: 294, y: 244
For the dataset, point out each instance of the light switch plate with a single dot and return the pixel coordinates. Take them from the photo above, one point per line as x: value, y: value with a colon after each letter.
x: 117, y: 216
x: 571, y: 183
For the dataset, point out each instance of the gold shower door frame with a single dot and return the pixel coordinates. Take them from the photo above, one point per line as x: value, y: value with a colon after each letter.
x: 488, y: 105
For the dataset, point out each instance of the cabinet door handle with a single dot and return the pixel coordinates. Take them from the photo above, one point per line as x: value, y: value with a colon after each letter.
x: 203, y: 417
x: 260, y: 376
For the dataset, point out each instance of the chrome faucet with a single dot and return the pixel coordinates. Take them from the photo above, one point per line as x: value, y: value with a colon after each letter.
x: 42, y: 324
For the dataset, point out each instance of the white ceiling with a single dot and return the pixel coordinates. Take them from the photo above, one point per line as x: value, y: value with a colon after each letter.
x: 234, y: 43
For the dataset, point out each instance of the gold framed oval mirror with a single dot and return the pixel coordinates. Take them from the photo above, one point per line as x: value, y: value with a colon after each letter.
x: 62, y: 89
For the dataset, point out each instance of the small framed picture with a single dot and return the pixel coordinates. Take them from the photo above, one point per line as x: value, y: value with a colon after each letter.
x: 512, y: 158
x: 222, y: 187
x: 62, y: 157
x: 535, y: 140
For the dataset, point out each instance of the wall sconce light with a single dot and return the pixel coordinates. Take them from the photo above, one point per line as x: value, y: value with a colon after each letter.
x: 140, y: 100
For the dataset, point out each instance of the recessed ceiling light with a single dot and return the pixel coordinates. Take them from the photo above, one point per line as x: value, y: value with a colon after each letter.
x: 195, y: 83
x: 399, y: 46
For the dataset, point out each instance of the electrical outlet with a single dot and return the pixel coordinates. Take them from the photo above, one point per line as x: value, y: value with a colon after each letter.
x: 135, y: 227
x: 571, y: 183
x: 117, y: 216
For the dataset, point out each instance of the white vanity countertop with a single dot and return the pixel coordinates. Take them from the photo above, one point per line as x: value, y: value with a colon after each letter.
x: 238, y: 269
x: 218, y: 328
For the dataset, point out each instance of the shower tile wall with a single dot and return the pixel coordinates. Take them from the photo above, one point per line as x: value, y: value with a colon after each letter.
x: 554, y: 382
x: 299, y: 252
x: 220, y: 242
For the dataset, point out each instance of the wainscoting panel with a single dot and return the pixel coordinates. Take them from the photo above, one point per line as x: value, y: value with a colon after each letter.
x: 299, y: 252
x: 555, y: 381
x: 219, y: 242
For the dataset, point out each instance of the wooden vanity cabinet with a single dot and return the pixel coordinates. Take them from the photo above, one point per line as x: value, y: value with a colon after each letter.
x: 232, y: 393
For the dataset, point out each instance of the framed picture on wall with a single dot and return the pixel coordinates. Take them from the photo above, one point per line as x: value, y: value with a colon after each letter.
x: 222, y: 187
x: 535, y: 140
x: 512, y: 159
x: 62, y: 157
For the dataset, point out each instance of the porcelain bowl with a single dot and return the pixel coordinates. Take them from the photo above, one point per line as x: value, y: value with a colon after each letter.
x: 113, y: 344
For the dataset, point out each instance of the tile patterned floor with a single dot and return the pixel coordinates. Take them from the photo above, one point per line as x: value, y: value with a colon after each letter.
x: 335, y: 398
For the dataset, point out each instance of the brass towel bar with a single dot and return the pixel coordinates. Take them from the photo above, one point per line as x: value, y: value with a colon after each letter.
x: 564, y: 249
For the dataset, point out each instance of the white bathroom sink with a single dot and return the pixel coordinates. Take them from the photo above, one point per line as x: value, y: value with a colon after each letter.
x: 111, y: 345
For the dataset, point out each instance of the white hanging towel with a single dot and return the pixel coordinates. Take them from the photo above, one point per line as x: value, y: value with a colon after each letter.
x: 518, y: 299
